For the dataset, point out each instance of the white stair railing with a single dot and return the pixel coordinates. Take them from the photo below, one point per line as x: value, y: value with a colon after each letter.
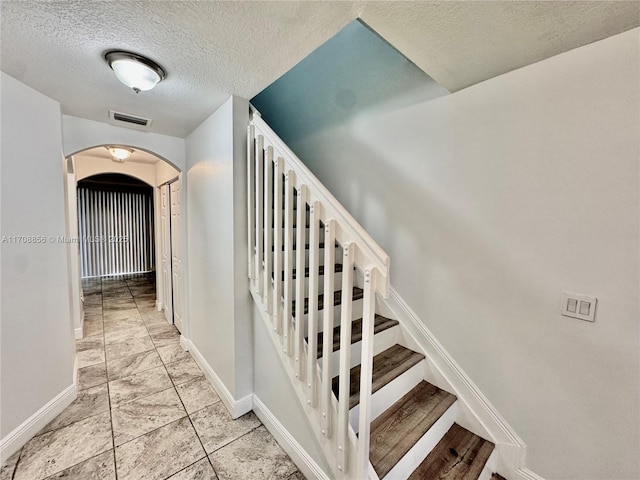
x: 277, y: 264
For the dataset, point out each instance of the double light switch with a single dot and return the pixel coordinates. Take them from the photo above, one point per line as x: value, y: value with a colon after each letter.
x: 579, y: 306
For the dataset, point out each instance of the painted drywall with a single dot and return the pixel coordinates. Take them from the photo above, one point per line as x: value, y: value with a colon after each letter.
x: 493, y: 201
x: 219, y: 300
x: 86, y: 166
x: 273, y: 387
x: 354, y: 72
x: 80, y: 134
x: 37, y: 347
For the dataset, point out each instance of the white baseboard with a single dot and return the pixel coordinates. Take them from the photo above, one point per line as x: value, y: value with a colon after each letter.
x: 526, y: 474
x: 23, y: 433
x: 299, y: 455
x: 511, y: 449
x: 236, y: 408
x: 159, y: 306
x: 78, y: 333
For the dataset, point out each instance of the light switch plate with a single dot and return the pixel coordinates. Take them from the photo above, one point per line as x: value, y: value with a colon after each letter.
x: 579, y: 306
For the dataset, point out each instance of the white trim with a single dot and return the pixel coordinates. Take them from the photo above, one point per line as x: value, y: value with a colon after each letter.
x: 511, y: 449
x: 236, y: 408
x: 526, y: 474
x: 23, y: 433
x: 75, y: 371
x: 159, y: 305
x: 289, y: 444
x: 78, y: 333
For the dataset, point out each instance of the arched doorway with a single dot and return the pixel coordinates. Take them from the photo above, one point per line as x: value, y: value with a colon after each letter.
x: 154, y: 219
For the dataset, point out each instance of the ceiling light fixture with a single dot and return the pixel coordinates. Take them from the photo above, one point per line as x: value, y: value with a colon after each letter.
x: 135, y: 71
x: 119, y: 154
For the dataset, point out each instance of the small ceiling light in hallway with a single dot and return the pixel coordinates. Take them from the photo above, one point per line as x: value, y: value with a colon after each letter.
x: 119, y: 154
x: 135, y: 71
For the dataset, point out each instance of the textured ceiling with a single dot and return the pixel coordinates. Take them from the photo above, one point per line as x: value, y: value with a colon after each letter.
x: 214, y: 49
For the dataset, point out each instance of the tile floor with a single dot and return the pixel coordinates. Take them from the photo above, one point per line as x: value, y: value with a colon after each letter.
x: 144, y: 409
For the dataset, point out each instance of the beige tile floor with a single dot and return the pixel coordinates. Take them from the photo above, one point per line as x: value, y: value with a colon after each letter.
x: 144, y: 409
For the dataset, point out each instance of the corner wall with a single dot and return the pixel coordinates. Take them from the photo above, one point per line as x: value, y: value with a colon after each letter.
x: 219, y: 299
x: 493, y: 201
x: 37, y: 346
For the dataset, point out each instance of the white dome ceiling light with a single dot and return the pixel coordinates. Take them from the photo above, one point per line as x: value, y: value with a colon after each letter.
x: 135, y: 71
x: 119, y: 154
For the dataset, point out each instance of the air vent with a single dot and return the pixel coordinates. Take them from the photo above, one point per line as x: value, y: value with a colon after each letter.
x: 125, y: 117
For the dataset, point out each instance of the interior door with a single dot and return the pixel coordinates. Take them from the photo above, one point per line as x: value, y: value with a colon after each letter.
x: 165, y: 225
x: 176, y: 252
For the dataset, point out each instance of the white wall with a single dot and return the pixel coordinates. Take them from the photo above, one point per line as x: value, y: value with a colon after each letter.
x: 80, y: 134
x: 86, y: 166
x: 493, y: 201
x: 273, y: 387
x: 219, y: 300
x: 37, y: 348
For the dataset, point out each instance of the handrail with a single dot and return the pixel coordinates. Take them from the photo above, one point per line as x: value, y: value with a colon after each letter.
x: 280, y: 189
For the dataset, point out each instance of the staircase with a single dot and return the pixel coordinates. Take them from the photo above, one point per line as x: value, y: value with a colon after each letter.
x: 322, y: 281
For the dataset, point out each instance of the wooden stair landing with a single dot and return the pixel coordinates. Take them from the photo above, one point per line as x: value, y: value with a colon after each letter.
x: 398, y: 429
x: 380, y: 324
x: 387, y: 365
x: 460, y: 455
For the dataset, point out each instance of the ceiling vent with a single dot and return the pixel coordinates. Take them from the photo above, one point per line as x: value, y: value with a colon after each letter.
x: 125, y: 117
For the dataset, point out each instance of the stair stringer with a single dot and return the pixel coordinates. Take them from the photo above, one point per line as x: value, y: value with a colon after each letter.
x: 475, y: 411
x: 313, y: 415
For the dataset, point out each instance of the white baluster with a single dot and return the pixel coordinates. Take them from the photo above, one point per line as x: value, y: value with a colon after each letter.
x: 251, y: 198
x: 289, y: 182
x: 366, y: 373
x: 346, y: 308
x: 312, y: 331
x: 268, y: 229
x: 259, y: 211
x: 277, y: 245
x: 327, y: 324
x: 300, y: 279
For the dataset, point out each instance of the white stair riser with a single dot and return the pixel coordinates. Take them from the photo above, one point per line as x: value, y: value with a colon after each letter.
x: 414, y: 457
x: 381, y: 341
x: 390, y: 393
x: 356, y: 313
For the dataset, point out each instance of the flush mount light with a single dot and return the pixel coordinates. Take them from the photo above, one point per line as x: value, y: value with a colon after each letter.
x: 135, y: 71
x: 119, y: 154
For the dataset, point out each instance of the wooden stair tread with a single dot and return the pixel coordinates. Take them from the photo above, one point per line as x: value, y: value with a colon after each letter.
x: 380, y: 324
x: 460, y: 455
x: 358, y: 293
x: 398, y: 429
x: 387, y: 365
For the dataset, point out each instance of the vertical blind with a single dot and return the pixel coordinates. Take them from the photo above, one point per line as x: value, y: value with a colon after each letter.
x: 115, y: 232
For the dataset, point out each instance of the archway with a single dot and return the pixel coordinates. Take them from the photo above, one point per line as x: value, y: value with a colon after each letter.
x: 163, y: 179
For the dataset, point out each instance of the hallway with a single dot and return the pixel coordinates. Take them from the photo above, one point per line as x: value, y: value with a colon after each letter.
x: 144, y: 410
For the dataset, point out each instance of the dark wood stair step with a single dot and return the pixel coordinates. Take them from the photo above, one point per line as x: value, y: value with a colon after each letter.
x: 380, y: 324
x: 358, y: 293
x: 497, y: 476
x: 387, y: 365
x: 398, y: 429
x: 460, y: 455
